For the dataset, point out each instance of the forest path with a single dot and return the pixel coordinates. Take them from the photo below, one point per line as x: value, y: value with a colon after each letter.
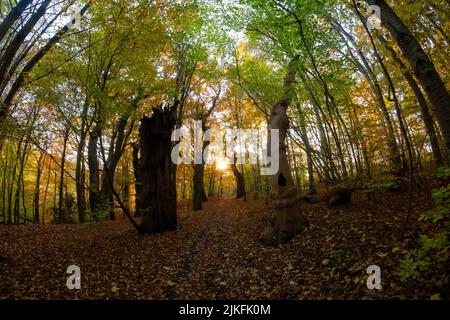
x: 214, y: 254
x: 222, y: 243
x: 218, y: 227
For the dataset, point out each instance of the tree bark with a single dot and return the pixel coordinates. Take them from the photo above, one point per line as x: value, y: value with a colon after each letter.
x: 426, y: 116
x: 94, y: 174
x: 421, y: 65
x: 395, y: 157
x: 137, y: 179
x: 240, y: 183
x: 308, y: 150
x: 31, y: 63
x: 62, y: 218
x: 79, y: 172
x: 158, y: 194
x: 37, y: 188
x: 198, y: 179
x: 115, y: 153
x: 199, y: 187
x: 15, y: 44
x: 287, y: 220
x: 12, y: 16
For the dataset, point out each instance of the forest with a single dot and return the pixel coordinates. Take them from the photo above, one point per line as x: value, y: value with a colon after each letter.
x: 224, y: 149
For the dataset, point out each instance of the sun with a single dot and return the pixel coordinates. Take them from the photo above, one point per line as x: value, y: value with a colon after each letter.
x: 221, y: 164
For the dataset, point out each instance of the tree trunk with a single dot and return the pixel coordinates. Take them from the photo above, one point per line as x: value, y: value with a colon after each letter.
x: 62, y: 211
x: 126, y: 183
x: 199, y: 187
x: 116, y: 150
x: 158, y: 194
x: 220, y: 187
x: 426, y: 116
x: 13, y: 47
x: 240, y: 183
x: 37, y: 188
x: 308, y: 150
x: 212, y: 180
x: 287, y: 220
x: 31, y: 63
x: 79, y: 172
x: 49, y: 172
x: 421, y: 65
x: 198, y: 179
x: 365, y: 69
x: 94, y: 174
x: 12, y: 16
x: 137, y: 179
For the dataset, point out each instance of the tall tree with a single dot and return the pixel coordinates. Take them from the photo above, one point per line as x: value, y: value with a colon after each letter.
x: 287, y: 220
x: 421, y: 65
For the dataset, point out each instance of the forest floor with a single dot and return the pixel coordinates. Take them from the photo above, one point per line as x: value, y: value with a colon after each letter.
x: 215, y: 254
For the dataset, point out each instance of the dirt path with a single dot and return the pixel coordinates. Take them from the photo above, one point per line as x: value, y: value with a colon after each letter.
x: 214, y: 254
x: 204, y: 265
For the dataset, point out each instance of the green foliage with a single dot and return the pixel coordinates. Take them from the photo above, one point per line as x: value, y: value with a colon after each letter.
x: 434, y: 250
x: 384, y: 185
x: 443, y: 172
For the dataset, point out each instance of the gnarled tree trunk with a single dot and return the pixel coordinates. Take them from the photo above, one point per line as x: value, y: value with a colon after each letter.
x: 157, y: 203
x: 287, y: 220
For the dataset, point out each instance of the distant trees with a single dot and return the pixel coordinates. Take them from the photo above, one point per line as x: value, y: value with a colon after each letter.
x: 20, y: 55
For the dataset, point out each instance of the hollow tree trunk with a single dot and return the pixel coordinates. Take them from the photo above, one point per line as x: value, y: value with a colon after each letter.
x: 158, y: 194
x: 287, y: 220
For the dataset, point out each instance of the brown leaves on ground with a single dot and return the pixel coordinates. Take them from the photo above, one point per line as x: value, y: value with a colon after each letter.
x: 215, y: 254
